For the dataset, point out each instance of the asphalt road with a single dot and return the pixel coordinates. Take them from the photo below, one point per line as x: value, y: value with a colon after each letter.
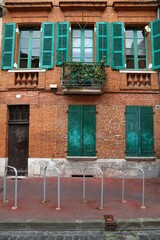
x: 80, y: 235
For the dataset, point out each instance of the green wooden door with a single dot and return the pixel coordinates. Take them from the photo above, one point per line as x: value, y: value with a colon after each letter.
x: 81, y: 130
x: 139, y: 131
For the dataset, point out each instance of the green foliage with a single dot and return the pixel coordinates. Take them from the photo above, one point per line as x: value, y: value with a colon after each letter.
x: 84, y: 73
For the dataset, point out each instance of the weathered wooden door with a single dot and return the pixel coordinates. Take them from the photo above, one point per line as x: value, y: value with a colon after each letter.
x: 18, y: 138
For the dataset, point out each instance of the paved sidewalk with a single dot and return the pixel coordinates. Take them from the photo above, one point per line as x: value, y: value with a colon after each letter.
x: 33, y: 213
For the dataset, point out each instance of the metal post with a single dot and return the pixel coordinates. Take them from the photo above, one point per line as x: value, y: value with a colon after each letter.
x: 44, y: 186
x: 84, y: 186
x: 143, y: 176
x: 5, y: 186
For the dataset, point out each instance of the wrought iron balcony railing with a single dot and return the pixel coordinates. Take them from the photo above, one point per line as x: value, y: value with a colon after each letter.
x: 83, y: 75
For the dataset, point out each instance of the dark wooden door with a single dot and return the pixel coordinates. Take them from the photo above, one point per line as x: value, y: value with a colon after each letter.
x: 18, y: 138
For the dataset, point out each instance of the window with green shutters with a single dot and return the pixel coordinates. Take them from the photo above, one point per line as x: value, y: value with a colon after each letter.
x: 139, y: 131
x: 35, y: 49
x: 136, y: 49
x: 82, y: 130
x: 9, y: 34
x: 155, y: 40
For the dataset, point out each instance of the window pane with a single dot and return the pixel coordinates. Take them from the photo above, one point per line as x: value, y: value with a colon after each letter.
x: 76, y: 42
x: 141, y: 52
x: 88, y: 42
x: 88, y: 60
x: 35, y: 43
x: 24, y: 43
x: 142, y: 63
x: 24, y: 34
x: 36, y: 34
x: 35, y: 63
x: 88, y: 52
x: 35, y: 52
x: 24, y: 52
x: 76, y: 33
x: 23, y: 63
x: 141, y: 43
x: 76, y: 52
x: 129, y: 52
x: 76, y: 60
x: 88, y: 33
x: 130, y: 63
x: 129, y: 33
x: 140, y: 34
x: 129, y: 43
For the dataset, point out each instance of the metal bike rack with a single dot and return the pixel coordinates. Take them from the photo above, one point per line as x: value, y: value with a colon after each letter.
x: 143, y: 175
x: 84, y: 186
x: 15, y: 194
x: 44, y: 186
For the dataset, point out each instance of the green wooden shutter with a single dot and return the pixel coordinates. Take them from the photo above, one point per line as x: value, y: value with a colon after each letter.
x: 132, y: 131
x: 47, y: 56
x: 89, y: 131
x: 74, y: 131
x: 117, y: 45
x: 146, y: 134
x: 9, y: 34
x: 102, y: 42
x: 62, y: 42
x: 155, y: 40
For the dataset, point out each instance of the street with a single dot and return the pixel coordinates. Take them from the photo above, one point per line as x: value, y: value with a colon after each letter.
x: 80, y: 235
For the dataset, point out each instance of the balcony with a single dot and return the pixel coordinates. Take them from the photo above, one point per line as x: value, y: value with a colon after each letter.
x: 142, y: 80
x: 28, y: 78
x: 83, y: 78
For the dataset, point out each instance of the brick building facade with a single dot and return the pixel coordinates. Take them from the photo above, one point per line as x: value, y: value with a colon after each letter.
x: 79, y: 86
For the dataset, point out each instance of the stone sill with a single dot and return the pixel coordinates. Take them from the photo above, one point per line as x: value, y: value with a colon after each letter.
x: 26, y: 5
x: 140, y: 159
x: 26, y: 70
x: 133, y: 5
x: 81, y: 158
x: 137, y: 71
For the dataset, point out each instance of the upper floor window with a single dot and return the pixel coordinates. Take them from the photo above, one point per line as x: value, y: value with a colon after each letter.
x: 82, y: 45
x: 136, y: 49
x: 29, y: 49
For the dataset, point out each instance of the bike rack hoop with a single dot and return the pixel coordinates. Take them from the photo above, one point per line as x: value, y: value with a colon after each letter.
x: 44, y: 185
x: 143, y: 177
x: 84, y: 185
x: 5, y: 186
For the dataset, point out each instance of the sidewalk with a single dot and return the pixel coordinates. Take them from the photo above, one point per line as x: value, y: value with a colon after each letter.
x: 31, y: 210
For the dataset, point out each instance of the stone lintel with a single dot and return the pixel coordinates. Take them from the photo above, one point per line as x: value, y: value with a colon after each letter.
x: 23, y: 6
x: 96, y: 5
x: 133, y: 5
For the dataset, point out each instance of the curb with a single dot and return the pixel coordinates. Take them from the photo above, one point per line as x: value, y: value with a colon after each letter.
x: 79, y: 225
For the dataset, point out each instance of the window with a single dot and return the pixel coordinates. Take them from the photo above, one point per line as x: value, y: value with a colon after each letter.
x: 82, y: 45
x: 82, y: 130
x: 29, y: 51
x: 136, y: 50
x: 35, y: 49
x: 139, y: 131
